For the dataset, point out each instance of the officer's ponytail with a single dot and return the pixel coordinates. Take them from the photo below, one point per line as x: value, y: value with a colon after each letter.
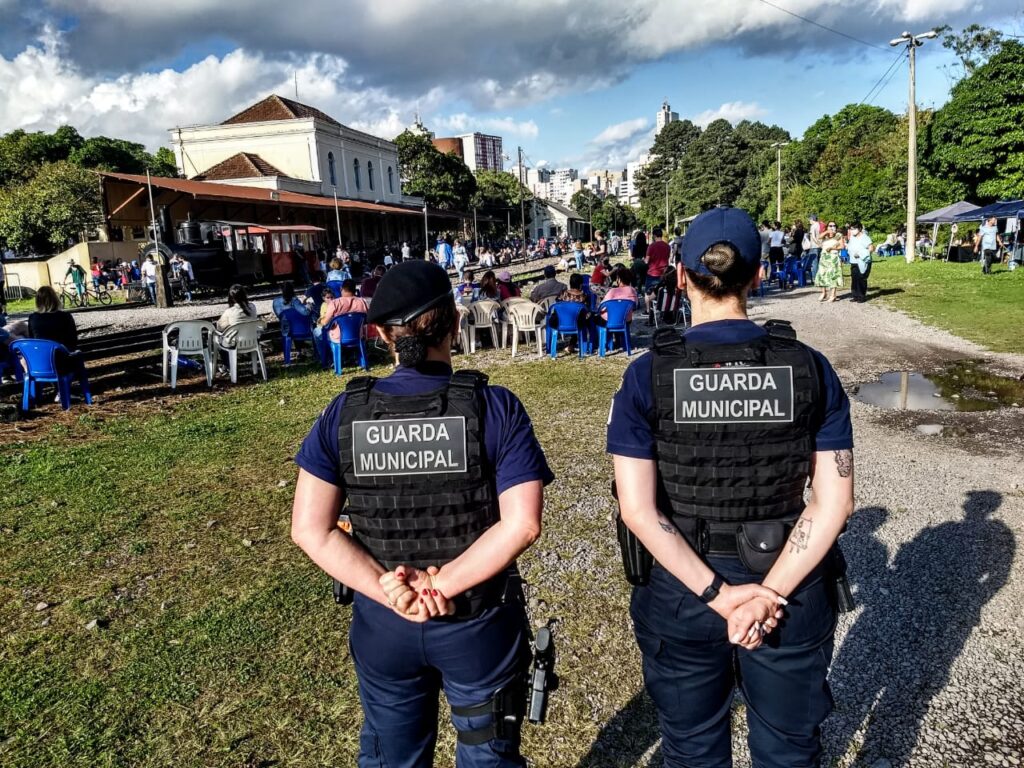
x: 729, y: 274
x: 431, y: 329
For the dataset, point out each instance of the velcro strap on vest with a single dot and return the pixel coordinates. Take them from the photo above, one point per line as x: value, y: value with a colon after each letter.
x: 466, y: 383
x: 357, y: 391
x: 780, y: 329
x: 668, y: 341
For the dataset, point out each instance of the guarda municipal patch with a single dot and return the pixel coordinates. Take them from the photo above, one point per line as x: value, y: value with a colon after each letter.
x: 734, y: 395
x: 409, y: 446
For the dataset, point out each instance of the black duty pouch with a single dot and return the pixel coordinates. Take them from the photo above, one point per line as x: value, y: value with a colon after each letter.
x: 760, y: 543
x: 636, y: 560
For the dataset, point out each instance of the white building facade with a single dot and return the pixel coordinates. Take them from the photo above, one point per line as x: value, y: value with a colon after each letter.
x: 665, y: 116
x: 482, y: 152
x: 307, y: 150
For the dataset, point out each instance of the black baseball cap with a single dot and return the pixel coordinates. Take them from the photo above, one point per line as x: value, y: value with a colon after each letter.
x: 407, y: 291
x: 721, y: 225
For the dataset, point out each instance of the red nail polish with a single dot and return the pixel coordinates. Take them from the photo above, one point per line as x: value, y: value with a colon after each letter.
x: 434, y: 592
x: 426, y: 592
x: 421, y: 600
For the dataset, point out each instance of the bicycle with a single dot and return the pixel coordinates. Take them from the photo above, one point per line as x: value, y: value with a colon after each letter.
x: 76, y: 299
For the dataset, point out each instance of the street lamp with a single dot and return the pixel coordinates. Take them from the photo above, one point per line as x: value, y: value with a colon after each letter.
x: 666, y: 206
x: 777, y: 146
x: 913, y: 42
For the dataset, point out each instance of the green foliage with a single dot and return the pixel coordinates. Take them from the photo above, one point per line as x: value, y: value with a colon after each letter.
x: 59, y: 202
x: 973, y: 45
x: 670, y: 146
x: 442, y: 179
x: 977, y: 138
x: 499, y: 194
x: 606, y: 213
x: 22, y: 153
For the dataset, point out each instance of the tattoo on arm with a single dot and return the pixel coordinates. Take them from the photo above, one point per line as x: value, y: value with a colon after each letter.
x: 667, y: 526
x: 844, y: 462
x: 800, y: 539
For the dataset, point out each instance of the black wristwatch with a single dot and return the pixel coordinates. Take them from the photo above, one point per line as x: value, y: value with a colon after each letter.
x: 711, y: 592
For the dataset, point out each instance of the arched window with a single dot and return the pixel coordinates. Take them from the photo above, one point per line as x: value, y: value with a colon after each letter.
x: 330, y: 169
x: 355, y: 167
x: 369, y: 172
x: 391, y: 180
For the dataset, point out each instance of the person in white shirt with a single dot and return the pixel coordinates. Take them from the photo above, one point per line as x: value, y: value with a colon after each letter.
x: 776, y: 244
x: 461, y: 257
x: 406, y: 252
x: 149, y: 277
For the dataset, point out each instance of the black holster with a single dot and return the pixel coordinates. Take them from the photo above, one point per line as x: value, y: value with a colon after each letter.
x: 842, y: 595
x: 636, y: 560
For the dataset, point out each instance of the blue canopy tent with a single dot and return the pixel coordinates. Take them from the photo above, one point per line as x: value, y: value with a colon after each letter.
x: 948, y: 214
x: 1002, y: 210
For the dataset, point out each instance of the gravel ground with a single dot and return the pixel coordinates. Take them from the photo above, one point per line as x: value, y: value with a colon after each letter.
x: 927, y: 669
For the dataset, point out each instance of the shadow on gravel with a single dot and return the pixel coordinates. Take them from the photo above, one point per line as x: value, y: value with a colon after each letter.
x: 627, y: 737
x: 917, y: 616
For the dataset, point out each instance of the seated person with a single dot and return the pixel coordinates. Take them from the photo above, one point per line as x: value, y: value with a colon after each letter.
x: 548, y: 288
x: 50, y: 322
x: 575, y: 292
x: 288, y: 300
x: 488, y: 290
x: 347, y: 303
x: 599, y: 277
x: 369, y: 284
x: 466, y: 289
x: 338, y: 271
x: 506, y: 288
x: 239, y: 310
x: 623, y: 289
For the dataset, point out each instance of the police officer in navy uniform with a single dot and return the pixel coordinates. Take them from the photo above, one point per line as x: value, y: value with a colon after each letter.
x: 442, y: 478
x: 715, y: 434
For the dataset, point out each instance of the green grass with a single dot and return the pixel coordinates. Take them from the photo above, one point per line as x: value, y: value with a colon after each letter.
x: 212, y: 652
x: 29, y: 305
x: 987, y: 309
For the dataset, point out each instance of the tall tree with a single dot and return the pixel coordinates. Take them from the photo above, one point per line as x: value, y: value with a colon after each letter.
x: 498, y: 194
x: 59, y: 202
x: 976, y: 138
x: 711, y: 173
x: 22, y: 153
x: 443, y: 180
x: 973, y: 45
x: 670, y: 145
x: 607, y: 213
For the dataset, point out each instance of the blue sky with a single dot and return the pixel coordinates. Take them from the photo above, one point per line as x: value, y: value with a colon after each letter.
x: 575, y: 82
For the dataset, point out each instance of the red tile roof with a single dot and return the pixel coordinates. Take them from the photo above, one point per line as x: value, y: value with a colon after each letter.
x: 244, y: 165
x: 276, y: 107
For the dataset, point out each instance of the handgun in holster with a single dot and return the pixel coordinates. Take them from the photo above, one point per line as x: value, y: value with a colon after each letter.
x: 636, y: 560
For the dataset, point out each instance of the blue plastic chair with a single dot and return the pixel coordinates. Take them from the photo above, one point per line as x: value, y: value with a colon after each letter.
x: 616, y: 321
x: 295, y: 326
x: 351, y: 326
x: 40, y: 356
x: 569, y: 317
x: 335, y: 286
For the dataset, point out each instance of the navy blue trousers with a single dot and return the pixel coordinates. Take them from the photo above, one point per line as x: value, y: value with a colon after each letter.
x: 691, y: 670
x: 402, y: 667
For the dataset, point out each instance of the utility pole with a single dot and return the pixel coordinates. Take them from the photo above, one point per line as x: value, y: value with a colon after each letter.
x: 426, y: 232
x: 337, y: 215
x: 777, y: 146
x: 666, y: 206
x: 522, y: 202
x: 913, y: 42
x: 164, y: 298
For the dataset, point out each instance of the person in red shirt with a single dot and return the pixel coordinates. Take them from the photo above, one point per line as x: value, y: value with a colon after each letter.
x: 658, y: 253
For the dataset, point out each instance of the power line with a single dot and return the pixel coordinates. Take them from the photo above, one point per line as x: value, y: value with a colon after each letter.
x: 820, y: 26
x: 877, y: 88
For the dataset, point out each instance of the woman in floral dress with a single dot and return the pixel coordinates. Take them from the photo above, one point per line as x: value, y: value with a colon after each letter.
x: 830, y: 268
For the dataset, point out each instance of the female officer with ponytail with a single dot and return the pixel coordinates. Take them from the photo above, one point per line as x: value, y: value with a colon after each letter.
x: 442, y: 479
x: 715, y: 434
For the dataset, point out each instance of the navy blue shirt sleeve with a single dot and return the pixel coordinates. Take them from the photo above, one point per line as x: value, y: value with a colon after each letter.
x: 318, y: 453
x: 629, y: 425
x: 511, y: 443
x: 836, y: 430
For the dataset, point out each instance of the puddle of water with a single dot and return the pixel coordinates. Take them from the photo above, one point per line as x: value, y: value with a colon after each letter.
x: 961, y: 387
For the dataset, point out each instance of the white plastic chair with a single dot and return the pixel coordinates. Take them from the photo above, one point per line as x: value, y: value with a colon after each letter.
x: 526, y: 317
x: 191, y: 342
x: 247, y: 342
x: 463, y: 328
x: 484, y: 313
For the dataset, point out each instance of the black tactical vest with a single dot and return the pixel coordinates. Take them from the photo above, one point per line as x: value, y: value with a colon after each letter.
x: 735, y: 425
x: 418, y: 483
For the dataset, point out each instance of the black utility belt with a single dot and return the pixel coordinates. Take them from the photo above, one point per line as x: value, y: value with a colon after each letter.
x: 498, y: 590
x: 757, y: 543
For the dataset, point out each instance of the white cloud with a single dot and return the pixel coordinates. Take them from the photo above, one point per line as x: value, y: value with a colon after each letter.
x: 733, y: 111
x: 462, y: 122
x: 43, y: 90
x: 620, y: 132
